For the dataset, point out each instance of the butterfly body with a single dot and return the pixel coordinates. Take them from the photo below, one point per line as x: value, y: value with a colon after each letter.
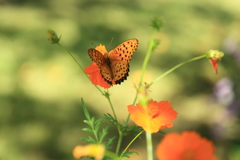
x: 114, y: 66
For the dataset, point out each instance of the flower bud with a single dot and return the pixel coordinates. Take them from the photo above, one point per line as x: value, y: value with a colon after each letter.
x: 214, y: 54
x: 52, y: 36
x: 157, y: 23
x: 142, y: 95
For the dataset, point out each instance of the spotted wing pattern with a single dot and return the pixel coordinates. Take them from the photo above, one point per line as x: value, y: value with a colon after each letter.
x: 114, y: 67
x: 120, y: 58
x: 102, y: 64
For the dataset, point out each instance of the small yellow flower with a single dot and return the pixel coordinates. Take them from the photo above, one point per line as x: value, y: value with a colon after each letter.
x: 214, y: 54
x: 92, y: 150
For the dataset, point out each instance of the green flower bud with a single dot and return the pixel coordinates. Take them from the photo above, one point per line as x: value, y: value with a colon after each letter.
x: 157, y: 23
x: 52, y: 36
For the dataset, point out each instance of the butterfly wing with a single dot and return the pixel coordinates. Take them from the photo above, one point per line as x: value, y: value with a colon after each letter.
x: 120, y: 58
x: 102, y: 63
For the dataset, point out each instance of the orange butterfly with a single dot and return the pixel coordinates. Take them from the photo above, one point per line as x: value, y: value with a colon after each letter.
x: 114, y: 66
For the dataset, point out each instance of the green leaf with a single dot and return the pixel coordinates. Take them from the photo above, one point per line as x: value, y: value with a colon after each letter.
x: 110, y: 119
x: 87, y: 122
x: 109, y: 142
x: 87, y: 130
x: 101, y: 119
x: 89, y: 140
x: 85, y: 110
x: 92, y: 121
x: 131, y: 130
x: 129, y: 153
x: 97, y: 126
x: 103, y: 133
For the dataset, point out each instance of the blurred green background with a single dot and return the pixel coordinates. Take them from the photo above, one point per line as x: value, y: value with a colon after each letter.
x: 41, y: 117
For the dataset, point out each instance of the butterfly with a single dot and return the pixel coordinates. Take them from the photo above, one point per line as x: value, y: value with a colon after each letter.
x: 114, y: 66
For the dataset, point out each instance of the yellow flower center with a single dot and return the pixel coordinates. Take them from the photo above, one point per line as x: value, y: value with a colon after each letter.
x: 153, y: 111
x: 188, y: 155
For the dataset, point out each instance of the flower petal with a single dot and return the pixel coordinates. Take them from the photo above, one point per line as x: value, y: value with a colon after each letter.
x: 153, y: 117
x: 138, y: 114
x: 188, y: 145
x: 92, y: 150
x: 95, y: 76
x: 215, y: 65
x: 102, y: 49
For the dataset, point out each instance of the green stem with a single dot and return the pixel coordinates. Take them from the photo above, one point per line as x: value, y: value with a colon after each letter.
x: 125, y: 150
x: 119, y: 140
x: 147, y: 57
x: 175, y: 67
x: 78, y: 65
x: 118, y: 126
x: 149, y: 146
x: 134, y: 101
x: 111, y: 105
x: 110, y: 154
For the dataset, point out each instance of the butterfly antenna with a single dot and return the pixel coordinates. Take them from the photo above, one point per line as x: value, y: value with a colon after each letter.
x: 93, y: 44
x: 110, y: 43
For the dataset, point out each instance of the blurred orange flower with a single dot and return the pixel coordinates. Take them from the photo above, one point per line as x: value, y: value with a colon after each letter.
x: 95, y: 76
x: 187, y: 146
x: 92, y: 150
x: 153, y: 117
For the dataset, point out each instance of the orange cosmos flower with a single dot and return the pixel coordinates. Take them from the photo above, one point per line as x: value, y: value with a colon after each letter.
x: 95, y: 76
x: 153, y: 117
x: 92, y: 150
x: 187, y: 146
x: 214, y: 56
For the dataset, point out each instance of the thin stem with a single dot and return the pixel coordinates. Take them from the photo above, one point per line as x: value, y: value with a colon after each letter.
x: 111, y: 105
x: 118, y: 126
x: 147, y: 57
x: 149, y: 146
x: 134, y: 101
x: 72, y: 57
x: 119, y: 140
x: 131, y: 143
x: 79, y: 66
x: 175, y: 67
